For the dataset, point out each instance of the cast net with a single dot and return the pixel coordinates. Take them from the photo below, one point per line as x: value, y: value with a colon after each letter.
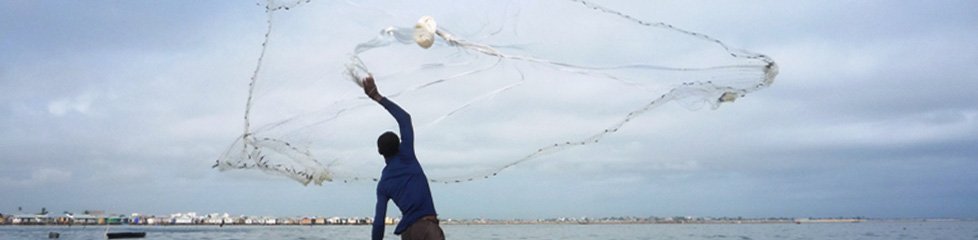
x: 489, y: 84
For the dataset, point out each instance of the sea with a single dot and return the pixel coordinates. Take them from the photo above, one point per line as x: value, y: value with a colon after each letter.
x: 946, y: 230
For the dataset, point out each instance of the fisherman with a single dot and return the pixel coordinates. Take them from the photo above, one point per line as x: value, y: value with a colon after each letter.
x: 402, y: 179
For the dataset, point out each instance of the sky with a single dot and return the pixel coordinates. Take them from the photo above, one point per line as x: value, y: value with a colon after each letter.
x: 124, y: 105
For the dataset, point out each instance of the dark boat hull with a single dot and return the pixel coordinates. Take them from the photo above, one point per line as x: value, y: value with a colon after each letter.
x: 120, y: 235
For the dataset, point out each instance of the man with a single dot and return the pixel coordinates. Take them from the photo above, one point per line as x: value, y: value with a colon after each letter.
x: 402, y: 180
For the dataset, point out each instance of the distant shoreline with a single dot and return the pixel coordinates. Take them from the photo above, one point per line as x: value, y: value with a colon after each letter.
x: 603, y: 221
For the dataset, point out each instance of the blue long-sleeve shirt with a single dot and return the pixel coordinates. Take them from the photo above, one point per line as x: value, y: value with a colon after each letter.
x: 402, y: 180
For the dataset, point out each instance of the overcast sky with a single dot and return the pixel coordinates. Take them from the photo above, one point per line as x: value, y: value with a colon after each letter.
x: 123, y: 106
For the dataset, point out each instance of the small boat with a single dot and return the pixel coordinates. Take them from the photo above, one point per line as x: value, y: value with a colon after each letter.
x: 119, y: 235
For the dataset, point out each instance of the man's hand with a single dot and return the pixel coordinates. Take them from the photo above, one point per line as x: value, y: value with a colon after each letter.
x: 370, y: 88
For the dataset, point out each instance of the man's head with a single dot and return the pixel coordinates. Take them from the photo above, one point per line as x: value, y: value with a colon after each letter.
x: 387, y: 144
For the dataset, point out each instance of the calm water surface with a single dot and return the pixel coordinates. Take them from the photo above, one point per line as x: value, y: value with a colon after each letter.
x: 842, y: 231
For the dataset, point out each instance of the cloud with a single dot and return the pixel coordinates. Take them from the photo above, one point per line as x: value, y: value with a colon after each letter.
x: 871, y: 105
x: 79, y: 104
x: 38, y: 177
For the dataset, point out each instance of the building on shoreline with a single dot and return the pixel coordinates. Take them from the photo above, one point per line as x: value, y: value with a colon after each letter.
x: 189, y: 218
x: 221, y: 219
x: 31, y: 219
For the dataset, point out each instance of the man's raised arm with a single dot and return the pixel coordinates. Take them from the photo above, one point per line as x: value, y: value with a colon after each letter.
x: 403, y: 118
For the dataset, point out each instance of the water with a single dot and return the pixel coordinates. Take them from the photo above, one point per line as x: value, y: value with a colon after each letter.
x: 841, y: 231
